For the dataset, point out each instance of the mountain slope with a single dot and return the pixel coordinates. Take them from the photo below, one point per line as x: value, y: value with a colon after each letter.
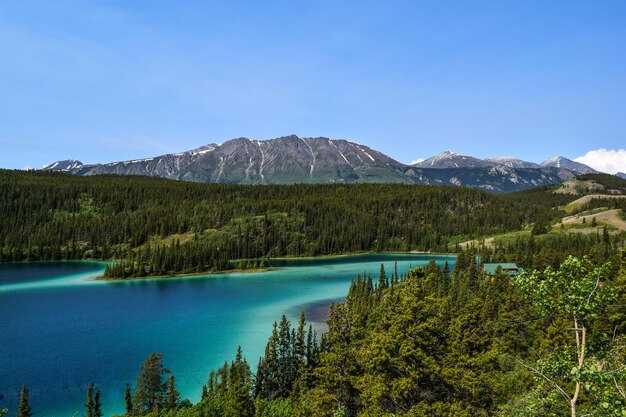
x: 448, y: 159
x: 159, y: 166
x: 563, y: 162
x: 293, y: 159
x: 511, y: 162
x: 64, y: 166
x: 500, y: 179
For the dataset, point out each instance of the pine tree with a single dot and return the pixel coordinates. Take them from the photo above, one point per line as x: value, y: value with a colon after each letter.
x: 24, y: 410
x: 310, y: 346
x: 128, y: 399
x: 97, y: 405
x: 238, y: 391
x: 286, y: 369
x: 382, y: 279
x: 299, y: 341
x: 89, y: 405
x: 395, y: 278
x: 173, y: 396
x: 151, y: 388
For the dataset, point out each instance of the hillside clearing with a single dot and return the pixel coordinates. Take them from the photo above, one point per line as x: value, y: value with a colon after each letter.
x: 609, y: 217
x: 576, y: 204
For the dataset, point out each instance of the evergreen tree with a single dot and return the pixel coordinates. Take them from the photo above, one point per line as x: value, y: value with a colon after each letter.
x: 299, y: 346
x: 172, y: 396
x: 286, y: 367
x: 23, y: 409
x: 151, y: 387
x: 97, y: 405
x: 395, y: 279
x: 382, y: 279
x: 89, y: 405
x: 128, y: 399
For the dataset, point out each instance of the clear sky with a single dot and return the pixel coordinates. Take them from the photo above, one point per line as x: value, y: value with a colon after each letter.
x: 115, y: 80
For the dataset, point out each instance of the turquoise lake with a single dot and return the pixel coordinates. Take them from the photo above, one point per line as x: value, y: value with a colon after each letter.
x: 60, y: 329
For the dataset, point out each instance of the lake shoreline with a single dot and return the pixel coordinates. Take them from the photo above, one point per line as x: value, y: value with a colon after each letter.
x: 189, y: 275
x: 272, y: 268
x: 196, y: 323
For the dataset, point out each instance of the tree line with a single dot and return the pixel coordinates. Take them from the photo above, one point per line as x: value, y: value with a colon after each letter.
x: 158, y: 227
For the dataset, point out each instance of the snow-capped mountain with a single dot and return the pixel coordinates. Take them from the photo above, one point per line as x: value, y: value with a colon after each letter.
x: 563, y: 162
x: 288, y: 159
x: 448, y: 159
x: 621, y: 175
x: 511, y: 162
x: 294, y: 159
x: 65, y: 165
x: 159, y: 166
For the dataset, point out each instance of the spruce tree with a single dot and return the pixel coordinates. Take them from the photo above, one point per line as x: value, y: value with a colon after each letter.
x: 89, y: 405
x: 173, y: 396
x: 285, y: 358
x: 128, y: 399
x: 299, y: 346
x: 309, y: 346
x: 151, y: 388
x: 23, y: 409
x: 395, y: 278
x: 382, y: 279
x: 97, y: 405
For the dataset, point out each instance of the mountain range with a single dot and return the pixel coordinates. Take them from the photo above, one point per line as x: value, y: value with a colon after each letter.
x: 449, y: 159
x: 294, y: 159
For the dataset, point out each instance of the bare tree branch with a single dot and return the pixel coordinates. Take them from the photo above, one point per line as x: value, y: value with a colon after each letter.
x: 595, y: 288
x: 552, y: 382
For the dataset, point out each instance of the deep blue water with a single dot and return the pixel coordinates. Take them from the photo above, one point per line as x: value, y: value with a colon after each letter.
x: 60, y: 329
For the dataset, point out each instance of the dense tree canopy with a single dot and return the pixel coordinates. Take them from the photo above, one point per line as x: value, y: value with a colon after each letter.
x: 161, y: 227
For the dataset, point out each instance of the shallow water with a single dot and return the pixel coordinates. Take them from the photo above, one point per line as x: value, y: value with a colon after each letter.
x: 61, y: 330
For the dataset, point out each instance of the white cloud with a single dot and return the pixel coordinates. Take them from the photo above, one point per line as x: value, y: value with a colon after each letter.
x: 418, y: 160
x: 605, y: 160
x: 27, y: 168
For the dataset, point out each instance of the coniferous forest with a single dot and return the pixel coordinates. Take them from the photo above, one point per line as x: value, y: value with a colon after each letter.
x: 160, y: 227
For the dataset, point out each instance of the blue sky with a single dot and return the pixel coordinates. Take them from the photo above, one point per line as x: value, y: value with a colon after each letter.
x: 104, y: 81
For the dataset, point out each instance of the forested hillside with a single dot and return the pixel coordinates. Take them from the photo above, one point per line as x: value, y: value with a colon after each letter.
x: 160, y: 227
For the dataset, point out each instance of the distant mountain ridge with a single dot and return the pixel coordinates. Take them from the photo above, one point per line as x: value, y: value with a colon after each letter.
x: 293, y: 159
x: 512, y: 162
x: 562, y: 162
x: 448, y: 159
